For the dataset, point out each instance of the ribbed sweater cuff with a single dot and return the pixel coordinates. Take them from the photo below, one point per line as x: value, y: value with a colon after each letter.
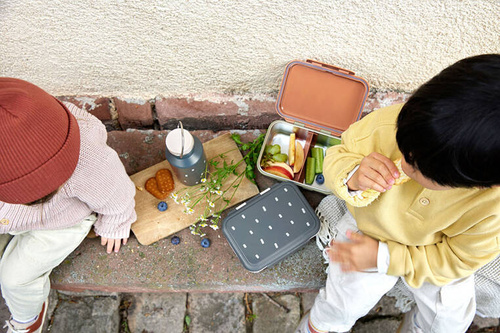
x: 125, y: 233
x: 117, y: 226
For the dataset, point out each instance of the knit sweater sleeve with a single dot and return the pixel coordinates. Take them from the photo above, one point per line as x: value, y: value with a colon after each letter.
x: 100, y: 180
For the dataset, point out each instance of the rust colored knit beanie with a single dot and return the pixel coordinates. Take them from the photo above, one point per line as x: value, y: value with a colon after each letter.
x: 39, y: 142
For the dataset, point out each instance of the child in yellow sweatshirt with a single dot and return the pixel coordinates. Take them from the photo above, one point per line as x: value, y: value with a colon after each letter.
x: 421, y: 183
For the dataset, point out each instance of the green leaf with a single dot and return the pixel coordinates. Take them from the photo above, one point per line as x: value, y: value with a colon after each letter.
x: 250, y: 174
x: 236, y: 137
x: 251, y: 317
x: 187, y: 319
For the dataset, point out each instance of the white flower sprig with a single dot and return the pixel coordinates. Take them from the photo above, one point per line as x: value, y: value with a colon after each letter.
x: 214, y: 193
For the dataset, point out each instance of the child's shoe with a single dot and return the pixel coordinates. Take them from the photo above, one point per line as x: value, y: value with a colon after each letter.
x: 408, y: 325
x: 31, y: 327
x: 305, y: 326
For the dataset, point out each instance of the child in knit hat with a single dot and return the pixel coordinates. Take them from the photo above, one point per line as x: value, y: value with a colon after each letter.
x: 435, y: 219
x: 58, y: 178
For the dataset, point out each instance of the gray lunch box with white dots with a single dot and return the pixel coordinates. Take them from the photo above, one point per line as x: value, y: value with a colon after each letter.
x: 270, y: 226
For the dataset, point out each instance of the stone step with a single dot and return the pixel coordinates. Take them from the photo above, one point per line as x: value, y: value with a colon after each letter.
x: 186, y: 267
x: 93, y: 312
x: 178, y: 312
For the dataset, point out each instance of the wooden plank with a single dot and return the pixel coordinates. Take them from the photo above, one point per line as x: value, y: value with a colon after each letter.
x: 153, y: 225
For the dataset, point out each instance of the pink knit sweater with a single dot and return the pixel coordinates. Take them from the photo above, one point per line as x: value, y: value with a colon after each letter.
x: 98, y: 184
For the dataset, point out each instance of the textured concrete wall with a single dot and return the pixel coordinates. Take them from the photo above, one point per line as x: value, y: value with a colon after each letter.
x: 148, y: 48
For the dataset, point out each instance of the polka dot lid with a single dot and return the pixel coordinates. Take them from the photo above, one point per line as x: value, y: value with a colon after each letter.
x: 270, y: 226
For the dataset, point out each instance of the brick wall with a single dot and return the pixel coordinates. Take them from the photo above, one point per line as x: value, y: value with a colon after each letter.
x: 226, y: 112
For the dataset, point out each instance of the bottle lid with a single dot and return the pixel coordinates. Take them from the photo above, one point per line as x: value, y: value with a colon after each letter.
x: 174, y: 142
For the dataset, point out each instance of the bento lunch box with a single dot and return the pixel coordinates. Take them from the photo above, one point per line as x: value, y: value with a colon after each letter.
x: 318, y: 102
x: 271, y: 226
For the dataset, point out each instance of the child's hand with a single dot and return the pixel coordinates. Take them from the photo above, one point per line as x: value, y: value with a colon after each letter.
x: 358, y: 255
x: 375, y: 172
x: 111, y: 243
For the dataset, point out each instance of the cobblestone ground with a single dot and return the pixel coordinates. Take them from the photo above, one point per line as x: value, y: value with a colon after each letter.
x: 203, y: 312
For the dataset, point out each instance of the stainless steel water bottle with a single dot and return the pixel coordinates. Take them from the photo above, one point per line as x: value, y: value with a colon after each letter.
x: 185, y: 154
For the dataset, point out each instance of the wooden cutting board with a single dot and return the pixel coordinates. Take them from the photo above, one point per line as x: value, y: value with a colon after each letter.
x: 153, y: 225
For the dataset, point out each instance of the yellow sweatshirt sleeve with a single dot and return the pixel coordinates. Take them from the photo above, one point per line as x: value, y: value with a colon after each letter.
x: 336, y: 167
x: 374, y: 131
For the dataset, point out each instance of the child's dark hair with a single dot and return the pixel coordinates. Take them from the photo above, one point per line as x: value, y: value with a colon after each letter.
x: 449, y: 129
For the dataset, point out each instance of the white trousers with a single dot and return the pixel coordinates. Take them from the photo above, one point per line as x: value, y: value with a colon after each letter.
x: 347, y: 297
x: 28, y: 261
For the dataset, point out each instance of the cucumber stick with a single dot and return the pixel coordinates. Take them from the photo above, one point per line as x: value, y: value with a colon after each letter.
x: 318, y: 155
x: 310, y: 170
